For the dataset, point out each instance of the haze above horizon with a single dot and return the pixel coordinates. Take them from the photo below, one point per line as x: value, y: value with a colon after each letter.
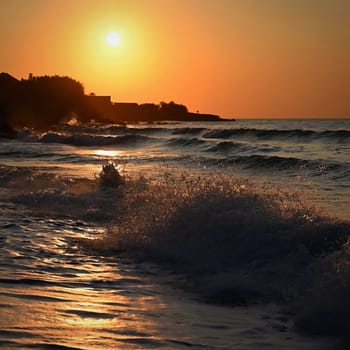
x: 244, y: 58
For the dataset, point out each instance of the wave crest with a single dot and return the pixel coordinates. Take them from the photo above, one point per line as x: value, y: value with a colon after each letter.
x: 234, y: 243
x: 91, y: 140
x: 279, y: 134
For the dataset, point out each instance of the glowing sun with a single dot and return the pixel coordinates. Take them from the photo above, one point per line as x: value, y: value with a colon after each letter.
x: 113, y: 39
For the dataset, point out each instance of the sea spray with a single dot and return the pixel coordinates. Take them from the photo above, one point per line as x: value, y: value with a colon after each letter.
x: 321, y: 304
x: 238, y: 244
x: 233, y: 242
x: 110, y: 177
x: 241, y: 242
x: 52, y: 195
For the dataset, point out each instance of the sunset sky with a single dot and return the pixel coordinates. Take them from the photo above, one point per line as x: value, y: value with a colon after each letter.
x: 235, y: 58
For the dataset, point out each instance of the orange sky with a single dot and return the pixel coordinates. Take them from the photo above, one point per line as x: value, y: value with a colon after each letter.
x: 236, y: 58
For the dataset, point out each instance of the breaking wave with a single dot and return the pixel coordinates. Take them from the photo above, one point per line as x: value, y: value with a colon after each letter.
x: 229, y: 146
x: 91, y: 140
x: 268, y: 134
x: 284, y: 164
x: 185, y: 142
x: 234, y: 243
x: 188, y: 131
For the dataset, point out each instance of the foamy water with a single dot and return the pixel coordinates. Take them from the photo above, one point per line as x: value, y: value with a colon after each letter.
x: 307, y: 155
x: 211, y: 242
x: 53, y: 295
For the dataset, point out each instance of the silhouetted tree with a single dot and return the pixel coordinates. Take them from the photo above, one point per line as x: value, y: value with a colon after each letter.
x: 43, y: 102
x: 173, y: 110
x: 46, y: 101
x: 148, y: 112
x: 6, y: 129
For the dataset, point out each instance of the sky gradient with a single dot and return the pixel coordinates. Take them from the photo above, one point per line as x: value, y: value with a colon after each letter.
x: 236, y: 58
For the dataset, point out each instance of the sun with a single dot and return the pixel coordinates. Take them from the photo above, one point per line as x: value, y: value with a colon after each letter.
x: 113, y: 39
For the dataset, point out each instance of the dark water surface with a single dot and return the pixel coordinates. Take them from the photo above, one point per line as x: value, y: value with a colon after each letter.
x: 53, y: 296
x: 312, y: 156
x: 216, y: 233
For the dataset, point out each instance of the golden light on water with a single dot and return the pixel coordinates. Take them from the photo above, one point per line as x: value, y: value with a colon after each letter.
x: 107, y: 153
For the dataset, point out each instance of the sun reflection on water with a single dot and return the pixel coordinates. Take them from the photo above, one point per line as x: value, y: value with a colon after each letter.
x: 112, y: 153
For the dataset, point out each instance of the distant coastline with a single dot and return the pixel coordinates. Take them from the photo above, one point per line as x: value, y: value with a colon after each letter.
x: 45, y: 101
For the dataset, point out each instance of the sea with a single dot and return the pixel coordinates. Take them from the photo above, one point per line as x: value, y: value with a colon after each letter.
x: 176, y: 235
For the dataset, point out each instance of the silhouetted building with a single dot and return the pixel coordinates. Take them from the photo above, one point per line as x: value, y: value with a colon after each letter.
x: 126, y: 111
x: 42, y: 102
x: 100, y: 107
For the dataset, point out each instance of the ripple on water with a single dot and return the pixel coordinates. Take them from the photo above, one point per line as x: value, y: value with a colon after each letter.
x: 54, y: 296
x: 90, y: 314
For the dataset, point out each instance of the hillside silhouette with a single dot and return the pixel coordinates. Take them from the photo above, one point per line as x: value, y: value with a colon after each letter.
x: 45, y: 101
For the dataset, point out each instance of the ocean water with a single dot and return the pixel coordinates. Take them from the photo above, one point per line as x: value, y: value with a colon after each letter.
x: 229, y: 235
x: 306, y: 155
